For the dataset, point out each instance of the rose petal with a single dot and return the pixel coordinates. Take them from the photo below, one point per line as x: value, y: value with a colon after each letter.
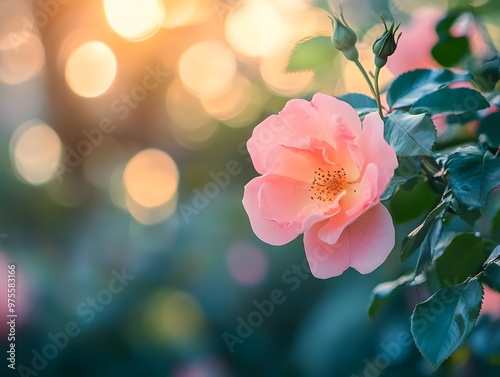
x: 281, y: 199
x: 324, y: 260
x: 268, y: 231
x: 364, y: 245
x: 376, y: 150
x: 300, y: 121
x: 372, y: 238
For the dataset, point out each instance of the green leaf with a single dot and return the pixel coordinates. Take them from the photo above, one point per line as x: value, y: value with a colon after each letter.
x: 449, y: 51
x: 428, y: 246
x: 360, y: 102
x: 417, y: 236
x: 470, y: 216
x: 444, y: 242
x: 383, y: 292
x: 495, y: 254
x: 492, y: 274
x: 462, y: 258
x: 312, y: 54
x: 442, y: 323
x: 409, y: 87
x: 461, y: 119
x: 408, y: 168
x: 403, y: 206
x: 489, y: 129
x: 495, y: 226
x: 409, y: 135
x: 447, y: 100
x: 473, y: 173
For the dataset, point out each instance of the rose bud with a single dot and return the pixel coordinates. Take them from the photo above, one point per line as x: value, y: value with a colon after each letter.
x: 344, y: 38
x: 386, y: 44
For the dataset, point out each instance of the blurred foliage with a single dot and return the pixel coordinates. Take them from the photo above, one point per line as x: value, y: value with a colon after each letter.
x: 67, y: 237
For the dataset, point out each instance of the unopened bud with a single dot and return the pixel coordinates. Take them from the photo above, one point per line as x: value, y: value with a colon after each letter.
x: 386, y: 44
x: 344, y: 38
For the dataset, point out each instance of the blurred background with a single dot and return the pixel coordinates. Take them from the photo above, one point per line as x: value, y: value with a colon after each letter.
x: 122, y: 138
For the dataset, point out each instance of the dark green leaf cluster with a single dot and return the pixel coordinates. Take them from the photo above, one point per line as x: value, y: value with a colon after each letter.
x: 441, y: 187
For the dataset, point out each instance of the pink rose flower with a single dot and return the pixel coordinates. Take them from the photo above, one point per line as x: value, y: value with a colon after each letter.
x: 322, y: 176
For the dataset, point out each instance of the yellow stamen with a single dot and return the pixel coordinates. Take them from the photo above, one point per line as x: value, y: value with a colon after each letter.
x: 327, y: 185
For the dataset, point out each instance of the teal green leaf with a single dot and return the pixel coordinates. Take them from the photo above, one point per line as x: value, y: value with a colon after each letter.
x: 403, y: 206
x: 412, y: 242
x: 312, y: 54
x: 428, y: 246
x: 473, y: 173
x: 489, y: 129
x: 492, y: 274
x: 409, y: 135
x: 360, y: 102
x: 463, y: 118
x: 447, y: 100
x: 442, y: 323
x: 469, y: 215
x: 384, y: 291
x: 409, y: 87
x: 461, y: 259
x: 495, y: 254
x: 495, y: 226
x: 449, y: 51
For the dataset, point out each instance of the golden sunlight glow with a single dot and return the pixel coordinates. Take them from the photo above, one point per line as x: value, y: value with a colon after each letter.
x: 135, y: 20
x: 185, y: 109
x: 195, y: 138
x: 239, y: 106
x: 207, y: 68
x: 151, y: 178
x: 186, y: 12
x: 22, y: 62
x: 35, y: 150
x: 190, y: 124
x: 16, y: 23
x: 255, y: 28
x: 91, y: 69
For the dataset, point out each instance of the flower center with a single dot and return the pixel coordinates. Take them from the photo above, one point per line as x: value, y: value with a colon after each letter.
x: 327, y: 185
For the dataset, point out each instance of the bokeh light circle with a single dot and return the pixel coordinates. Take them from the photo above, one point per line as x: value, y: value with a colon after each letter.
x: 207, y: 68
x: 135, y: 20
x: 247, y: 263
x: 174, y: 315
x: 23, y: 61
x: 91, y: 69
x: 255, y: 28
x: 151, y: 178
x: 35, y: 152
